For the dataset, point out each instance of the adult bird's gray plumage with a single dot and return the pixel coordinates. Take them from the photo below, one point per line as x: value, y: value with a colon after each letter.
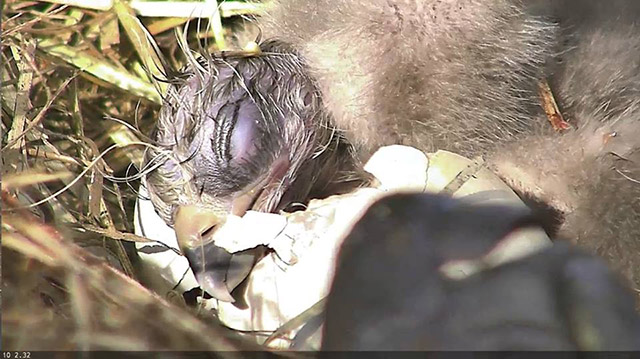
x: 337, y: 79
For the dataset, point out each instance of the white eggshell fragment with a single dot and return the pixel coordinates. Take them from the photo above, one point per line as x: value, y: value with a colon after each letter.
x: 299, y: 271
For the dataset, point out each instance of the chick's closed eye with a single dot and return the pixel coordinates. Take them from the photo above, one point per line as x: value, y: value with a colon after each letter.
x: 242, y: 145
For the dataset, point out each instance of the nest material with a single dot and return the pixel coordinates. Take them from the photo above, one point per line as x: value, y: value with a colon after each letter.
x: 58, y: 295
x: 78, y: 97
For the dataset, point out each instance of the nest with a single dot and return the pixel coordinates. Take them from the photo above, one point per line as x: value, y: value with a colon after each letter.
x: 80, y: 90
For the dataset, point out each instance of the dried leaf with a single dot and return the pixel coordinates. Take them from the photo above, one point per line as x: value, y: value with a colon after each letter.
x: 551, y: 107
x: 18, y: 180
x: 138, y: 35
x: 102, y: 70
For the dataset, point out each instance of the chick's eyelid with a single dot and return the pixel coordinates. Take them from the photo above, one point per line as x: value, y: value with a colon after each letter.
x: 219, y: 135
x: 243, y: 138
x: 229, y: 129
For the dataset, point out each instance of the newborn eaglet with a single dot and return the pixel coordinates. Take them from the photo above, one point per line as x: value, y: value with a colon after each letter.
x: 338, y: 79
x: 241, y: 133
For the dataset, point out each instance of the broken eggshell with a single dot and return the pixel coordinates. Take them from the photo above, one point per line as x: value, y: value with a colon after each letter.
x: 299, y: 271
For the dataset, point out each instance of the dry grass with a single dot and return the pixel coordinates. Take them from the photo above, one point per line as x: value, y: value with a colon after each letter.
x: 78, y: 96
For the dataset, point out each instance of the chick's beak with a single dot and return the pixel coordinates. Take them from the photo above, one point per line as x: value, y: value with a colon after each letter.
x: 217, y: 271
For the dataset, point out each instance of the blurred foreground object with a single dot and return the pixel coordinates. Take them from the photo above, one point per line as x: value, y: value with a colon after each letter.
x: 389, y: 292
